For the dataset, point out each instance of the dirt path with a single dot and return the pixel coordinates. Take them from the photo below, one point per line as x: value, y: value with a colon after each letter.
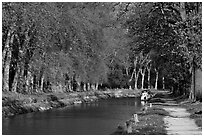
x: 179, y: 122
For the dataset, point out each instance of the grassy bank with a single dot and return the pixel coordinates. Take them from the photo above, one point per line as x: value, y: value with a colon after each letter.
x: 150, y: 123
x: 15, y: 103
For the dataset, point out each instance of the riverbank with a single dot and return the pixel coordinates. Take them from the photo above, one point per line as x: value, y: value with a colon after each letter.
x: 155, y: 120
x: 150, y: 122
x: 15, y: 103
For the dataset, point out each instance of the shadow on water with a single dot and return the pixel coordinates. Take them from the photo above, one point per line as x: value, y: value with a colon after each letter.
x: 96, y: 118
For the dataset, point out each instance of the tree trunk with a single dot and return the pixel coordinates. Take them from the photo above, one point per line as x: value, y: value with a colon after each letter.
x: 42, y: 81
x: 92, y: 86
x: 84, y: 86
x: 31, y: 83
x: 156, y: 81
x: 96, y: 86
x: 6, y: 49
x: 149, y: 82
x: 192, y: 91
x: 163, y: 83
x: 126, y: 69
x: 136, y: 78
x: 28, y: 81
x: 21, y: 79
x: 15, y: 80
x: 78, y: 86
x: 6, y: 61
x: 143, y: 76
x: 88, y: 86
x: 70, y: 85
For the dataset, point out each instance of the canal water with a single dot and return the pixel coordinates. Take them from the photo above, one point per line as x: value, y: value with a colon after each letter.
x: 97, y: 118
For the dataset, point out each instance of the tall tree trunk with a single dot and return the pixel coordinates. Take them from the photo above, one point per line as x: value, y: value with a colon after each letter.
x: 126, y: 69
x: 85, y: 87
x: 31, y: 83
x: 156, y: 81
x: 21, y: 79
x: 16, y: 79
x: 93, y: 87
x: 143, y: 76
x: 163, y: 83
x: 192, y: 91
x: 149, y: 82
x: 28, y: 80
x: 88, y: 86
x: 42, y: 81
x: 136, y: 78
x: 6, y: 61
x: 70, y: 85
x: 96, y: 86
x: 6, y: 49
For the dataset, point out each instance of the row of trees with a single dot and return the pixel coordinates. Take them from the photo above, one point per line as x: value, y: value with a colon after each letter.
x: 60, y: 46
x: 169, y: 34
x: 78, y: 46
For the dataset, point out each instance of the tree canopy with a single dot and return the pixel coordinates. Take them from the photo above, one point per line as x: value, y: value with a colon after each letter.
x: 70, y: 46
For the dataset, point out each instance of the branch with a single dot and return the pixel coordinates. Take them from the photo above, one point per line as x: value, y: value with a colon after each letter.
x: 132, y: 75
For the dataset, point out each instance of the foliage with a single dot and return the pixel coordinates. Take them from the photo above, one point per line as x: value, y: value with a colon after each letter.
x: 82, y: 44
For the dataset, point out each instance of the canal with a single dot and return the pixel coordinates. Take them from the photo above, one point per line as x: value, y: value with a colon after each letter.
x: 97, y: 118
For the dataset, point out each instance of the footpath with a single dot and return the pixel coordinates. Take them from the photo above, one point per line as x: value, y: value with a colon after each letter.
x: 179, y: 122
x: 167, y: 115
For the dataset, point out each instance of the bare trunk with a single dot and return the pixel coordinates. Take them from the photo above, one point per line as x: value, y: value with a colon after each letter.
x: 6, y: 49
x: 42, y: 81
x: 78, y: 86
x: 28, y: 80
x: 126, y: 69
x: 31, y: 83
x: 6, y: 73
x: 84, y: 86
x: 96, y: 86
x: 88, y: 86
x: 192, y: 91
x: 143, y: 75
x: 21, y: 79
x: 92, y: 86
x: 156, y: 81
x: 15, y: 80
x: 69, y: 85
x: 136, y: 78
x: 163, y: 83
x: 149, y: 82
x: 6, y: 61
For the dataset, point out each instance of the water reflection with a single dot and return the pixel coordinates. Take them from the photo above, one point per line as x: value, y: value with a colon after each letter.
x: 97, y: 118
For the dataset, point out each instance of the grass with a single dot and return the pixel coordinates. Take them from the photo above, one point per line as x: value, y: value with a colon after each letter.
x: 150, y: 125
x: 151, y: 122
